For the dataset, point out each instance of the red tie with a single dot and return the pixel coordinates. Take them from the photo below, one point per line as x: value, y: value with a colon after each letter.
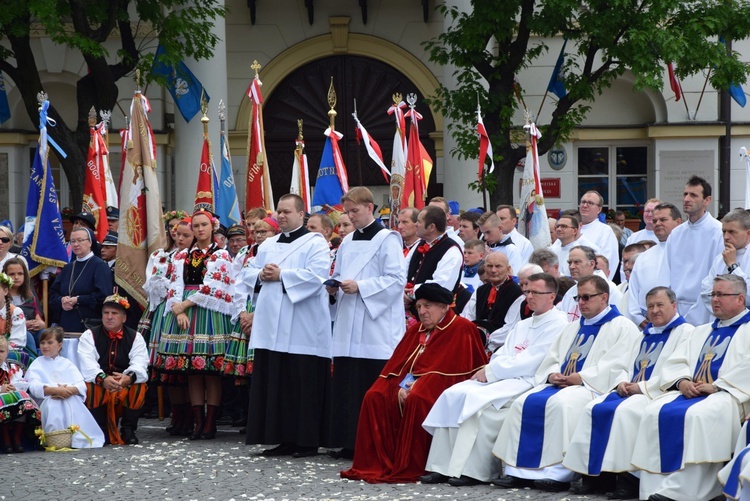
x: 115, y: 335
x: 492, y: 297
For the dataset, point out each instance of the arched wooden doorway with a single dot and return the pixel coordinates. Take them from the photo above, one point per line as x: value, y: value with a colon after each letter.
x: 302, y: 95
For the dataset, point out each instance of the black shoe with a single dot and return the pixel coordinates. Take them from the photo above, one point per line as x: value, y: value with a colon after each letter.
x: 601, y: 484
x: 433, y: 478
x: 243, y: 431
x: 551, y: 485
x: 625, y: 488
x: 659, y: 497
x: 128, y: 436
x: 239, y: 422
x: 304, y: 452
x: 463, y: 481
x: 225, y: 421
x: 512, y: 482
x: 279, y: 450
x: 341, y: 454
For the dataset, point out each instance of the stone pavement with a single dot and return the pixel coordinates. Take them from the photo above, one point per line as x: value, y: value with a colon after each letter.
x: 166, y: 468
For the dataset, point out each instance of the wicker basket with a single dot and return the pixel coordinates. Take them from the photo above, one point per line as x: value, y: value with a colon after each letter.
x: 59, y: 439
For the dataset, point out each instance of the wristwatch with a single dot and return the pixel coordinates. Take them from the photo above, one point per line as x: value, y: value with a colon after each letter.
x: 732, y: 267
x: 131, y: 375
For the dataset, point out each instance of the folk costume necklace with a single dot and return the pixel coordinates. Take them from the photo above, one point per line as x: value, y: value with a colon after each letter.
x: 73, y: 282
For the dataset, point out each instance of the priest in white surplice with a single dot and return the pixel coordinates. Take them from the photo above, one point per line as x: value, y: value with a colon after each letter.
x: 649, y: 270
x: 605, y: 435
x: 582, y: 363
x: 687, y: 435
x: 696, y: 242
x: 647, y: 233
x: 735, y: 476
x: 369, y: 322
x: 735, y: 258
x: 291, y: 336
x: 597, y: 232
x: 567, y: 230
x: 467, y: 417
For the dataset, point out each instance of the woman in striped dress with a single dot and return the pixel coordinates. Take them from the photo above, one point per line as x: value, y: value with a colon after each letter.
x: 197, y: 322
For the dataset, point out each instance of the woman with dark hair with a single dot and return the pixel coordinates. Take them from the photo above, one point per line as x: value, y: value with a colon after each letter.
x: 171, y: 220
x: 197, y: 323
x: 83, y: 285
x: 22, y: 296
x: 13, y: 326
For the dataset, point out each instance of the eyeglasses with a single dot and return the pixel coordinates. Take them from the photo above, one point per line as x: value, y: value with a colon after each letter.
x: 724, y: 294
x: 586, y: 297
x: 5, y: 240
x: 79, y: 241
x: 538, y: 293
x: 589, y: 202
x: 260, y: 232
x: 563, y: 226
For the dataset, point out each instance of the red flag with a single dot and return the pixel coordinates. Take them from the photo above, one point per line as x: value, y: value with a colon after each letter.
x: 204, y: 193
x: 95, y: 188
x: 258, y: 180
x: 673, y: 82
x: 373, y: 148
x: 141, y: 230
x: 418, y: 166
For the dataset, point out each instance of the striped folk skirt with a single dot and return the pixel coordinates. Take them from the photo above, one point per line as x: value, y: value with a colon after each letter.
x: 199, y: 349
x: 238, y: 360
x: 16, y: 404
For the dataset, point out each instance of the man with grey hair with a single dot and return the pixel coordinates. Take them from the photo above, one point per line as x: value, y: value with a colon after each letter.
x: 548, y: 261
x: 617, y: 414
x: 708, y: 385
x: 582, y: 262
x: 735, y: 258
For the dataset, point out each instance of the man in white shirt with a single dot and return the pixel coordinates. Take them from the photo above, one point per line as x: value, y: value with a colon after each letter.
x: 407, y: 228
x: 569, y: 235
x: 595, y: 231
x: 450, y: 219
x: 646, y: 233
x: 582, y: 263
x: 735, y: 259
x: 468, y: 229
x: 492, y: 231
x: 650, y: 270
x: 691, y: 249
x: 509, y: 220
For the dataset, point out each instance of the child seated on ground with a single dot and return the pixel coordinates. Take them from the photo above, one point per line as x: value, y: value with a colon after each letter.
x: 58, y: 384
x: 16, y: 406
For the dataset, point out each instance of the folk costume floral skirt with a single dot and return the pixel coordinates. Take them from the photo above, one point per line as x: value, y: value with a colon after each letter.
x: 15, y: 404
x: 238, y: 360
x: 199, y: 349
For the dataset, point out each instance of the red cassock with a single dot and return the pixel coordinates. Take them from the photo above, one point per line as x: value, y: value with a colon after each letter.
x: 391, y: 444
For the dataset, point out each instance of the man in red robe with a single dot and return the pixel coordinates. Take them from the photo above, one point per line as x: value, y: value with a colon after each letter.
x: 440, y: 351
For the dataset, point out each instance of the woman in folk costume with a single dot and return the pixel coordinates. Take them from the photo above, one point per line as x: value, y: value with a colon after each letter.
x: 197, y: 322
x: 13, y: 325
x: 239, y: 357
x: 22, y: 295
x: 58, y: 384
x: 16, y: 406
x: 158, y: 275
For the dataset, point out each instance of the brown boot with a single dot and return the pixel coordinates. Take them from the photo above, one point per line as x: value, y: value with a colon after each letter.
x: 187, y: 421
x: 209, y: 429
x: 17, y: 436
x: 199, y: 418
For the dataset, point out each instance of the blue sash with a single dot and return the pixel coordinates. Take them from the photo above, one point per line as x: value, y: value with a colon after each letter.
x: 672, y: 415
x: 732, y: 487
x: 603, y: 413
x: 531, y: 440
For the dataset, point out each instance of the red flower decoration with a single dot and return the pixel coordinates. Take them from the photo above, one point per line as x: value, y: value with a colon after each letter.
x: 216, y: 275
x: 227, y: 280
x: 218, y: 363
x: 218, y: 294
x: 227, y: 298
x: 170, y: 294
x: 223, y: 268
x: 205, y: 289
x: 199, y: 363
x: 228, y: 368
x: 170, y: 363
x: 214, y: 257
x: 153, y: 271
x: 163, y: 260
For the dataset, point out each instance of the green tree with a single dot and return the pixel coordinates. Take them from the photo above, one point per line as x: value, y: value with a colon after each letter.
x: 184, y: 27
x: 493, y: 41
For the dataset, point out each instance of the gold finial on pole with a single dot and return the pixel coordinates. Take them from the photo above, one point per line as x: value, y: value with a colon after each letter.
x: 300, y: 137
x: 92, y: 117
x: 332, y: 104
x: 256, y: 67
x: 204, y: 110
x: 138, y: 80
x: 397, y: 98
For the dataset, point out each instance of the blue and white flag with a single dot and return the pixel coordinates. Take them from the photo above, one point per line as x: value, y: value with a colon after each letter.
x: 185, y: 88
x: 225, y: 192
x: 556, y: 84
x: 4, y: 106
x: 44, y: 243
x: 328, y: 188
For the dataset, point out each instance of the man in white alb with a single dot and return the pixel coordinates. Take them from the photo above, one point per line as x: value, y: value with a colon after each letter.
x: 568, y: 232
x: 597, y: 232
x: 582, y: 263
x: 509, y: 220
x: 492, y: 232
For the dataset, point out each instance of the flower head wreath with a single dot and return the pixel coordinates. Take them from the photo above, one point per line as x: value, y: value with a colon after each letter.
x: 117, y: 300
x: 6, y: 280
x: 174, y: 214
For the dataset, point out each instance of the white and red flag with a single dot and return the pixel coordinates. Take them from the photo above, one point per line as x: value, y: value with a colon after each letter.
x: 532, y: 222
x: 95, y: 187
x: 398, y: 160
x: 418, y: 165
x: 674, y: 84
x: 372, y: 147
x: 485, y: 146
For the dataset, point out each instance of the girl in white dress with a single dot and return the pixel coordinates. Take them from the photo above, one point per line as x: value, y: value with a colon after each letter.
x: 58, y: 386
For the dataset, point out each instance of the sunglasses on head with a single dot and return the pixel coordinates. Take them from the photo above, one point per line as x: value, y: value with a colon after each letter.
x: 4, y: 240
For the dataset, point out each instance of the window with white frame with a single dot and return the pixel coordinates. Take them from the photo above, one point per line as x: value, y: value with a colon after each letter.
x: 619, y: 173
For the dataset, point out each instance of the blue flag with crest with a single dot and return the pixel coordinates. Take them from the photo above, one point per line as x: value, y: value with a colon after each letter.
x: 185, y: 88
x: 226, y: 205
